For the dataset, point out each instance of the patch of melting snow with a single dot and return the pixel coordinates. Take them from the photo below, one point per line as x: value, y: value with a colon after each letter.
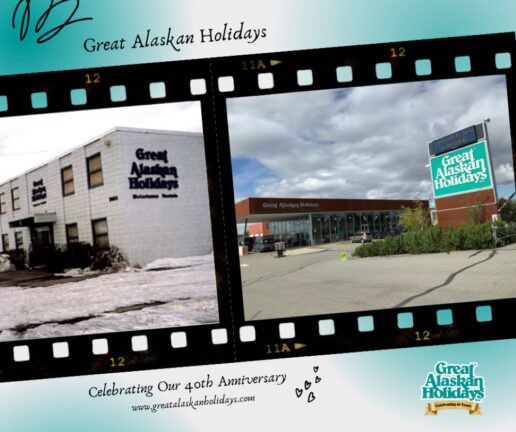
x: 185, y: 294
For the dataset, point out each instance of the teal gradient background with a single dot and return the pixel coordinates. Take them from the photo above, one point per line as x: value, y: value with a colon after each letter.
x: 291, y: 25
x: 377, y: 390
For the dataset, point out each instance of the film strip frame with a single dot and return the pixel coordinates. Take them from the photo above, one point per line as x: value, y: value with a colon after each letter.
x: 211, y: 82
x: 131, y: 350
x: 277, y: 73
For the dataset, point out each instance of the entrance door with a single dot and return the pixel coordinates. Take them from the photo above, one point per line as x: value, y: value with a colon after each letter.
x: 364, y: 228
x: 42, y: 245
x: 43, y: 237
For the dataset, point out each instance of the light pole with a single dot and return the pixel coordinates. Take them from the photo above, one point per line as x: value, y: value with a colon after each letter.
x: 488, y: 144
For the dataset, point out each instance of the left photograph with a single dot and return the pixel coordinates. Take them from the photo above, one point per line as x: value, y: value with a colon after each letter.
x: 105, y: 222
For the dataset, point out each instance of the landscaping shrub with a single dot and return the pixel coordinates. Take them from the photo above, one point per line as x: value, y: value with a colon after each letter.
x: 78, y: 255
x: 107, y: 259
x: 18, y: 258
x: 55, y: 260
x: 431, y: 240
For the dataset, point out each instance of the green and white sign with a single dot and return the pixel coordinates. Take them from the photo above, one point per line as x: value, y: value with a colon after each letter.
x: 460, y: 171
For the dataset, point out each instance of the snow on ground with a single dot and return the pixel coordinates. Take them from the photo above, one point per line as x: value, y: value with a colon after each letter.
x: 177, y: 262
x: 5, y: 263
x: 187, y: 291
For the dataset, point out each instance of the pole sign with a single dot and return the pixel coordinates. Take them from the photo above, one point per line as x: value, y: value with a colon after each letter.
x: 456, y: 140
x: 461, y: 171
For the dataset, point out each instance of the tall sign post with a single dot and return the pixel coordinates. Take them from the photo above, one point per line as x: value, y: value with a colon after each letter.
x: 462, y: 177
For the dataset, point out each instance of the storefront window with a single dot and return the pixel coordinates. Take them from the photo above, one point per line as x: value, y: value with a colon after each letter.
x: 343, y: 232
x: 72, y: 233
x: 3, y: 204
x: 100, y: 233
x: 67, y: 180
x: 350, y: 224
x: 316, y: 229
x: 94, y: 165
x: 15, y: 195
x: 18, y: 239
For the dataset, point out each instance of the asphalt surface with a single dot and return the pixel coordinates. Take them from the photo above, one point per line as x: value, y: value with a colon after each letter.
x: 319, y: 283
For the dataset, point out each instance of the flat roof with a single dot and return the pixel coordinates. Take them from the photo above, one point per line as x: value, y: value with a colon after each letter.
x: 99, y: 137
x: 267, y: 209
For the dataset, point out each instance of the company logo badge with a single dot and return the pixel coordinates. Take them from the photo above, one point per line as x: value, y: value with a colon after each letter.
x: 453, y: 386
x: 461, y: 171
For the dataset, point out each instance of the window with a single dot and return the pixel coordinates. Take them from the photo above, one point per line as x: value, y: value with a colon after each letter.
x: 5, y: 242
x: 67, y: 180
x: 72, y: 233
x: 100, y: 233
x: 15, y: 195
x: 3, y: 204
x: 18, y: 239
x: 94, y: 166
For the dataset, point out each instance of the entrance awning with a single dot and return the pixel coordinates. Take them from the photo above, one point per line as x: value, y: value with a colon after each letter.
x: 45, y: 218
x: 21, y: 222
x: 38, y: 218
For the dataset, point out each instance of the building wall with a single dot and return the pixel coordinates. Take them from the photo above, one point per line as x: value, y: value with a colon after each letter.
x: 166, y: 227
x: 250, y: 207
x: 259, y: 229
x: 463, y: 208
x: 143, y: 229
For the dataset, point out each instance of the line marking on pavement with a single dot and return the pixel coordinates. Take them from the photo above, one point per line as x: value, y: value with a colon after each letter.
x: 448, y: 280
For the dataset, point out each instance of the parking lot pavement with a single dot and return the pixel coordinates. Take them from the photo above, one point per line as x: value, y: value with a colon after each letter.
x: 315, y: 284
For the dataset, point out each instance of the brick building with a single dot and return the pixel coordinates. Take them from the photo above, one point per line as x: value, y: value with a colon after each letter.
x: 311, y: 221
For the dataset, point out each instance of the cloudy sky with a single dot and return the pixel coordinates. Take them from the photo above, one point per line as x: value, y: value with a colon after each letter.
x: 29, y: 141
x: 364, y: 142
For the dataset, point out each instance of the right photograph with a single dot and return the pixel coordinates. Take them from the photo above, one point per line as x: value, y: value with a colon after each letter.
x: 375, y: 197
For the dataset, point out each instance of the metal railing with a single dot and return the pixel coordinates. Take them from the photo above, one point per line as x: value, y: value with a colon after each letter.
x: 504, y: 235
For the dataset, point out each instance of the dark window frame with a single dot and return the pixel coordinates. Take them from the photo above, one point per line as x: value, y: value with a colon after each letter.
x: 70, y: 239
x: 3, y: 204
x: 65, y: 182
x: 18, y: 244
x: 16, y: 200
x: 5, y: 244
x: 91, y: 173
x: 96, y: 235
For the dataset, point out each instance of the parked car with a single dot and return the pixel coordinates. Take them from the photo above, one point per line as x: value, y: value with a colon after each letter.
x: 263, y: 244
x: 360, y: 238
x: 248, y: 241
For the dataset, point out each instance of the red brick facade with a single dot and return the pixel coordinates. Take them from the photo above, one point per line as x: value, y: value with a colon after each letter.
x: 263, y: 206
x: 465, y: 208
x: 258, y: 229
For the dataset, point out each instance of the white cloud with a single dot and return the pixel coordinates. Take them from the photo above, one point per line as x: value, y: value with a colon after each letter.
x: 28, y: 141
x: 504, y: 173
x: 366, y: 141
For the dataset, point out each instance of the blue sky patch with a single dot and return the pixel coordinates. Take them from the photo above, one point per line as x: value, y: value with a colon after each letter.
x: 247, y: 175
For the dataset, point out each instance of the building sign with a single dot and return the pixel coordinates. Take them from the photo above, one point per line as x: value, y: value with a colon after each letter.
x: 461, y: 171
x: 151, y: 170
x: 456, y: 140
x: 290, y: 205
x: 39, y: 193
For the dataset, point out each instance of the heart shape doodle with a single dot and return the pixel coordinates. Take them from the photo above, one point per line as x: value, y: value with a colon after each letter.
x: 311, y: 397
x: 299, y: 392
x: 316, y: 369
x: 307, y: 385
x: 317, y: 379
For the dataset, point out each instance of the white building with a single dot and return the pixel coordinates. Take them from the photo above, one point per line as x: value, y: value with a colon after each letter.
x: 144, y: 191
